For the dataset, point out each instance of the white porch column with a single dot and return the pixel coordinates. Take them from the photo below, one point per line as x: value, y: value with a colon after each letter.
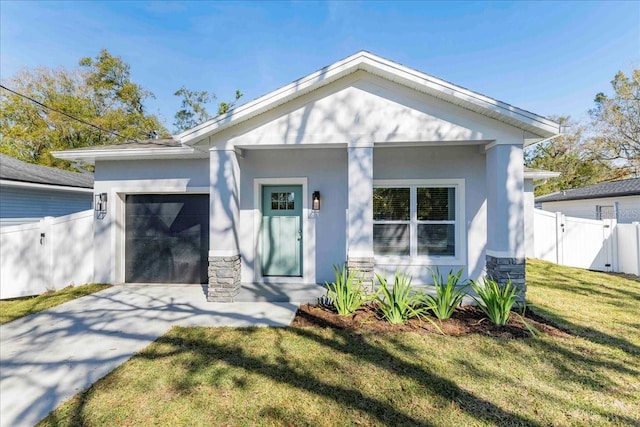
x: 360, y: 220
x: 529, y: 206
x: 224, y: 217
x: 505, y: 215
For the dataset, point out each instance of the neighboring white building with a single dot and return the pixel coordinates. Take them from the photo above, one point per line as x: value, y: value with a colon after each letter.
x: 365, y: 161
x: 31, y: 192
x: 619, y: 200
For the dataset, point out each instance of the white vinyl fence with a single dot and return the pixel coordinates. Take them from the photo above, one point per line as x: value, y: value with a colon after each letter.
x: 602, y: 245
x: 46, y: 255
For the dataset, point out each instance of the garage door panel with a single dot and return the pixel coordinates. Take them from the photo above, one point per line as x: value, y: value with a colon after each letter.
x: 167, y: 238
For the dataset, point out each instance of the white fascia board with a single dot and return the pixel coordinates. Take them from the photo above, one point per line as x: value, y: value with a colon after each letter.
x: 541, y: 175
x: 377, y: 66
x: 53, y: 187
x: 89, y: 156
x: 417, y: 79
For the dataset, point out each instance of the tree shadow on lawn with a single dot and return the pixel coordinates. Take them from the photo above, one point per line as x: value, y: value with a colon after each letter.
x: 356, y: 346
x: 588, y: 287
x: 477, y: 407
x: 588, y: 333
x: 205, y: 352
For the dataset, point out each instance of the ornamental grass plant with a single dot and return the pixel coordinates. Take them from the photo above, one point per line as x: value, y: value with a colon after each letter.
x: 346, y: 294
x: 399, y: 303
x: 448, y: 295
x: 495, y: 300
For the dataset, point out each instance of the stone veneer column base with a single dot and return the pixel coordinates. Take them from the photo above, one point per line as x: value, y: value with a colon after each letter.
x: 364, y: 268
x: 224, y: 278
x: 503, y: 269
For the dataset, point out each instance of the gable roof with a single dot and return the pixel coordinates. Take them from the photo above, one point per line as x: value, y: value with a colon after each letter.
x: 625, y: 187
x: 537, y: 126
x: 15, y: 170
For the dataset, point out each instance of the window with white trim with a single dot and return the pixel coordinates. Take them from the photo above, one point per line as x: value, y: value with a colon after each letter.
x: 416, y: 220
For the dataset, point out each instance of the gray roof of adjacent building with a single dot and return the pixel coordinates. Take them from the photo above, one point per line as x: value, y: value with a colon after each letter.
x: 12, y: 169
x: 623, y: 187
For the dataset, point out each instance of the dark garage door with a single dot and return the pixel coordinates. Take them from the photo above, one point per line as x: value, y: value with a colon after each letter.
x: 166, y: 238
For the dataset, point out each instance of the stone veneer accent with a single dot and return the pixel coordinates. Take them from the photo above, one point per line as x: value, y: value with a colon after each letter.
x: 364, y: 267
x: 224, y: 278
x: 503, y: 269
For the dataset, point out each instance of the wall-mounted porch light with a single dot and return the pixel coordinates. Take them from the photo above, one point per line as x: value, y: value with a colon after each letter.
x: 316, y: 201
x: 100, y: 205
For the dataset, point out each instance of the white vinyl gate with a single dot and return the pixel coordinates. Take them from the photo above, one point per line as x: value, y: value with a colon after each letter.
x: 46, y: 255
x: 586, y: 243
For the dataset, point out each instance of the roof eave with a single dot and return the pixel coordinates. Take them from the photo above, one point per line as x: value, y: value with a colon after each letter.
x: 541, y: 175
x: 90, y: 156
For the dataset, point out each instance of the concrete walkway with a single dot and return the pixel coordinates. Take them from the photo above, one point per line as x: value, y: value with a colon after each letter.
x: 50, y: 356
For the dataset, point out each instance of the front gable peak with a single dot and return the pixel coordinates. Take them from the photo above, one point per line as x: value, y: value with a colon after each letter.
x: 537, y: 126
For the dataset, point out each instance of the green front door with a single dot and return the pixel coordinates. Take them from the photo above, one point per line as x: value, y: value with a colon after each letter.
x: 282, y: 230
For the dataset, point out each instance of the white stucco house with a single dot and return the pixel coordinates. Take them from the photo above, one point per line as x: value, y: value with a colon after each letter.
x: 365, y: 161
x: 619, y: 200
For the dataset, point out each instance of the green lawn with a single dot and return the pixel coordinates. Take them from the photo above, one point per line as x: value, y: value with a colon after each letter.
x: 19, y: 307
x: 309, y: 376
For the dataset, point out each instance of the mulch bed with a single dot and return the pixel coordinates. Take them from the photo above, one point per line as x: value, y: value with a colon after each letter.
x: 466, y: 320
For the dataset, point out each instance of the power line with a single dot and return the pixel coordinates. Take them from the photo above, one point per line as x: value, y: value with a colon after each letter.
x: 112, y: 132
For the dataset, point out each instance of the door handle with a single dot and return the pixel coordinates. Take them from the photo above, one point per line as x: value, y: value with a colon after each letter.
x: 299, y: 235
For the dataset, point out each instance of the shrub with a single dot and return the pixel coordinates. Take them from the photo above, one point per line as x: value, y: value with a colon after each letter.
x: 398, y: 304
x: 346, y: 293
x: 495, y: 300
x: 448, y: 295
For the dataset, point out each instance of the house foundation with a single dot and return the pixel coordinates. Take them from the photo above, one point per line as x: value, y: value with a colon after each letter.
x: 224, y: 278
x: 504, y: 269
x: 364, y: 268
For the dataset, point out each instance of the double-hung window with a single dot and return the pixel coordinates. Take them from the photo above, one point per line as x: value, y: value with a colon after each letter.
x: 418, y: 218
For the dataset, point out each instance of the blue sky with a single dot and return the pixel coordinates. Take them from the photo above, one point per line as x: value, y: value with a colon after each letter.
x: 547, y: 57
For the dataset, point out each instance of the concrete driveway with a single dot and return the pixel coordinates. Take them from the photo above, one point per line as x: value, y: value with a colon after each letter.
x: 50, y: 356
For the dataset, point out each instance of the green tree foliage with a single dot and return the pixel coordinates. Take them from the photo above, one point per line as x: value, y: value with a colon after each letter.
x: 99, y: 92
x: 193, y: 110
x: 616, y: 120
x: 574, y: 157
